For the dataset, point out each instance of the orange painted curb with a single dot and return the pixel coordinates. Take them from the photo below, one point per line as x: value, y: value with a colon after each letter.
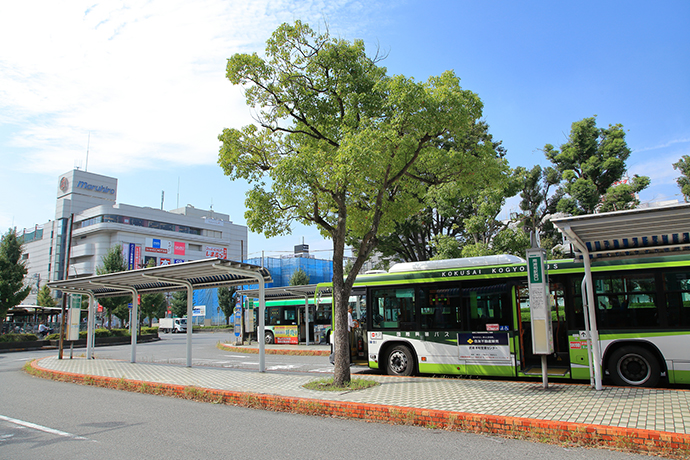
x: 671, y: 445
x: 274, y: 351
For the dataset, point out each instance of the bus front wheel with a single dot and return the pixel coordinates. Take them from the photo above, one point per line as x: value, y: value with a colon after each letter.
x: 268, y: 337
x: 634, y: 366
x: 400, y: 361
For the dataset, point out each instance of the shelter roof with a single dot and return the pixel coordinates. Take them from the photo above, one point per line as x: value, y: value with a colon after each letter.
x: 288, y: 292
x: 631, y: 233
x: 201, y: 274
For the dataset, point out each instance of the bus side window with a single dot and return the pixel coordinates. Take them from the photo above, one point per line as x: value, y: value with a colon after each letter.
x: 677, y: 287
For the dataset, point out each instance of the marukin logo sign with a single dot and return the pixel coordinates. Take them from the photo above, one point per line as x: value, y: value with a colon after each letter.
x: 64, y: 184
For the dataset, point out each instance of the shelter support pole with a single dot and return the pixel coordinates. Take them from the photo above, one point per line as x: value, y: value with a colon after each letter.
x: 594, y: 331
x: 134, y: 323
x: 190, y: 308
x: 261, y: 331
x: 91, y: 325
x: 306, y: 320
x: 595, y: 355
x: 585, y: 303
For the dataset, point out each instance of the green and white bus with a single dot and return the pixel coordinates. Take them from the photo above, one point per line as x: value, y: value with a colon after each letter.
x: 471, y: 317
x: 285, y: 322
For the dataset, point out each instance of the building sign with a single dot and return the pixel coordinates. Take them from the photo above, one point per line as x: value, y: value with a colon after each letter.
x: 165, y: 261
x: 179, y: 248
x: 178, y: 261
x: 64, y: 185
x: 159, y: 246
x: 150, y: 261
x: 137, y: 257
x: 87, y: 184
x: 131, y: 261
x: 199, y: 310
x: 217, y: 252
x: 95, y: 188
x: 208, y: 220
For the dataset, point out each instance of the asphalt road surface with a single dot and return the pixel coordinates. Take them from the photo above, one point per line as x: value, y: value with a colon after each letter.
x: 46, y: 419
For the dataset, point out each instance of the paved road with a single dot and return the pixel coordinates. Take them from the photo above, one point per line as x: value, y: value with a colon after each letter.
x: 47, y: 419
x: 172, y: 349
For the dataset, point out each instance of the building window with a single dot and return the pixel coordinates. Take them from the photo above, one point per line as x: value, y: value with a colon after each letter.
x: 111, y: 218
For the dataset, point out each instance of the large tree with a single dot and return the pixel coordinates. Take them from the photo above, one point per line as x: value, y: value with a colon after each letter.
x: 226, y: 302
x: 340, y: 144
x: 113, y: 262
x: 299, y: 278
x: 538, y: 203
x: 178, y: 304
x: 44, y: 297
x: 12, y: 272
x: 152, y: 306
x: 440, y: 229
x: 683, y: 165
x: 590, y: 163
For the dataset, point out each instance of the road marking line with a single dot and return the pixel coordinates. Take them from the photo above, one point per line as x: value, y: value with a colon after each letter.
x: 41, y: 428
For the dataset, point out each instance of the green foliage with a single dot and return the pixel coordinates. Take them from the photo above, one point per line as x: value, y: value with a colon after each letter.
x: 453, y: 214
x: 299, y: 278
x: 348, y: 267
x: 226, y: 302
x: 327, y: 384
x: 12, y: 272
x: 178, y: 304
x: 624, y: 196
x: 152, y: 306
x: 444, y: 247
x: 683, y: 165
x: 44, y: 297
x: 114, y: 262
x: 537, y: 199
x: 590, y: 162
x: 101, y: 332
x: 14, y: 337
x: 342, y: 145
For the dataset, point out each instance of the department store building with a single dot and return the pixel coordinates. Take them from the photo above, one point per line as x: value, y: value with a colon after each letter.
x: 146, y: 235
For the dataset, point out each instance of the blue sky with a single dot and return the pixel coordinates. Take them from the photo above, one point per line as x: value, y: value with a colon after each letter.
x: 142, y: 85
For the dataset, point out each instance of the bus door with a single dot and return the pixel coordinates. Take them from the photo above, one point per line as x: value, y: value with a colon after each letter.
x: 558, y: 363
x: 358, y: 333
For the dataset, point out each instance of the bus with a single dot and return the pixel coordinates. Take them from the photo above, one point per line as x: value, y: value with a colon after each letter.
x: 471, y: 317
x: 285, y: 322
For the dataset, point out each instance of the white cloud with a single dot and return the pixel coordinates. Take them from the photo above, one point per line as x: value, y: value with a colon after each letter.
x: 145, y: 79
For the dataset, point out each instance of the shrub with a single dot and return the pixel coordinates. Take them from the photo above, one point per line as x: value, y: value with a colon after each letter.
x: 13, y: 337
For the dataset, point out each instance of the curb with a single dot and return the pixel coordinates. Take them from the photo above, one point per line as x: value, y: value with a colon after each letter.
x: 275, y: 351
x: 670, y: 445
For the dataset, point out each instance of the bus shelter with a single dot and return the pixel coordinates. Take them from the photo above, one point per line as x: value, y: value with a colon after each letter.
x: 198, y: 274
x: 618, y: 235
x: 305, y: 292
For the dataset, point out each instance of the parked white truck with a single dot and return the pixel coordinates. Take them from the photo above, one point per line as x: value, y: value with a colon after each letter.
x: 172, y: 325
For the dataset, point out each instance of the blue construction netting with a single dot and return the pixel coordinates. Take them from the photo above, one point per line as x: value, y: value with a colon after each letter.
x: 318, y: 271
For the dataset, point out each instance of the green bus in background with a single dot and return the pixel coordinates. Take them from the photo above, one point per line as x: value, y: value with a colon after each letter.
x: 285, y: 322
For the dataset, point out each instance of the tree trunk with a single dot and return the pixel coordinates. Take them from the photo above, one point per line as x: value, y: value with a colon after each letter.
x: 341, y: 296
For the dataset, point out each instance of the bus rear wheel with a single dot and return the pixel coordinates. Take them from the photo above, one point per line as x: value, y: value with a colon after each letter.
x: 400, y: 361
x: 634, y: 366
x: 268, y: 337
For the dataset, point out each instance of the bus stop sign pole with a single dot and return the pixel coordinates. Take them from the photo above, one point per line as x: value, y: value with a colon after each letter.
x: 540, y: 309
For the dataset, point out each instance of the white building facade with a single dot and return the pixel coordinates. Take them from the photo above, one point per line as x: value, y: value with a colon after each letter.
x: 148, y: 236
